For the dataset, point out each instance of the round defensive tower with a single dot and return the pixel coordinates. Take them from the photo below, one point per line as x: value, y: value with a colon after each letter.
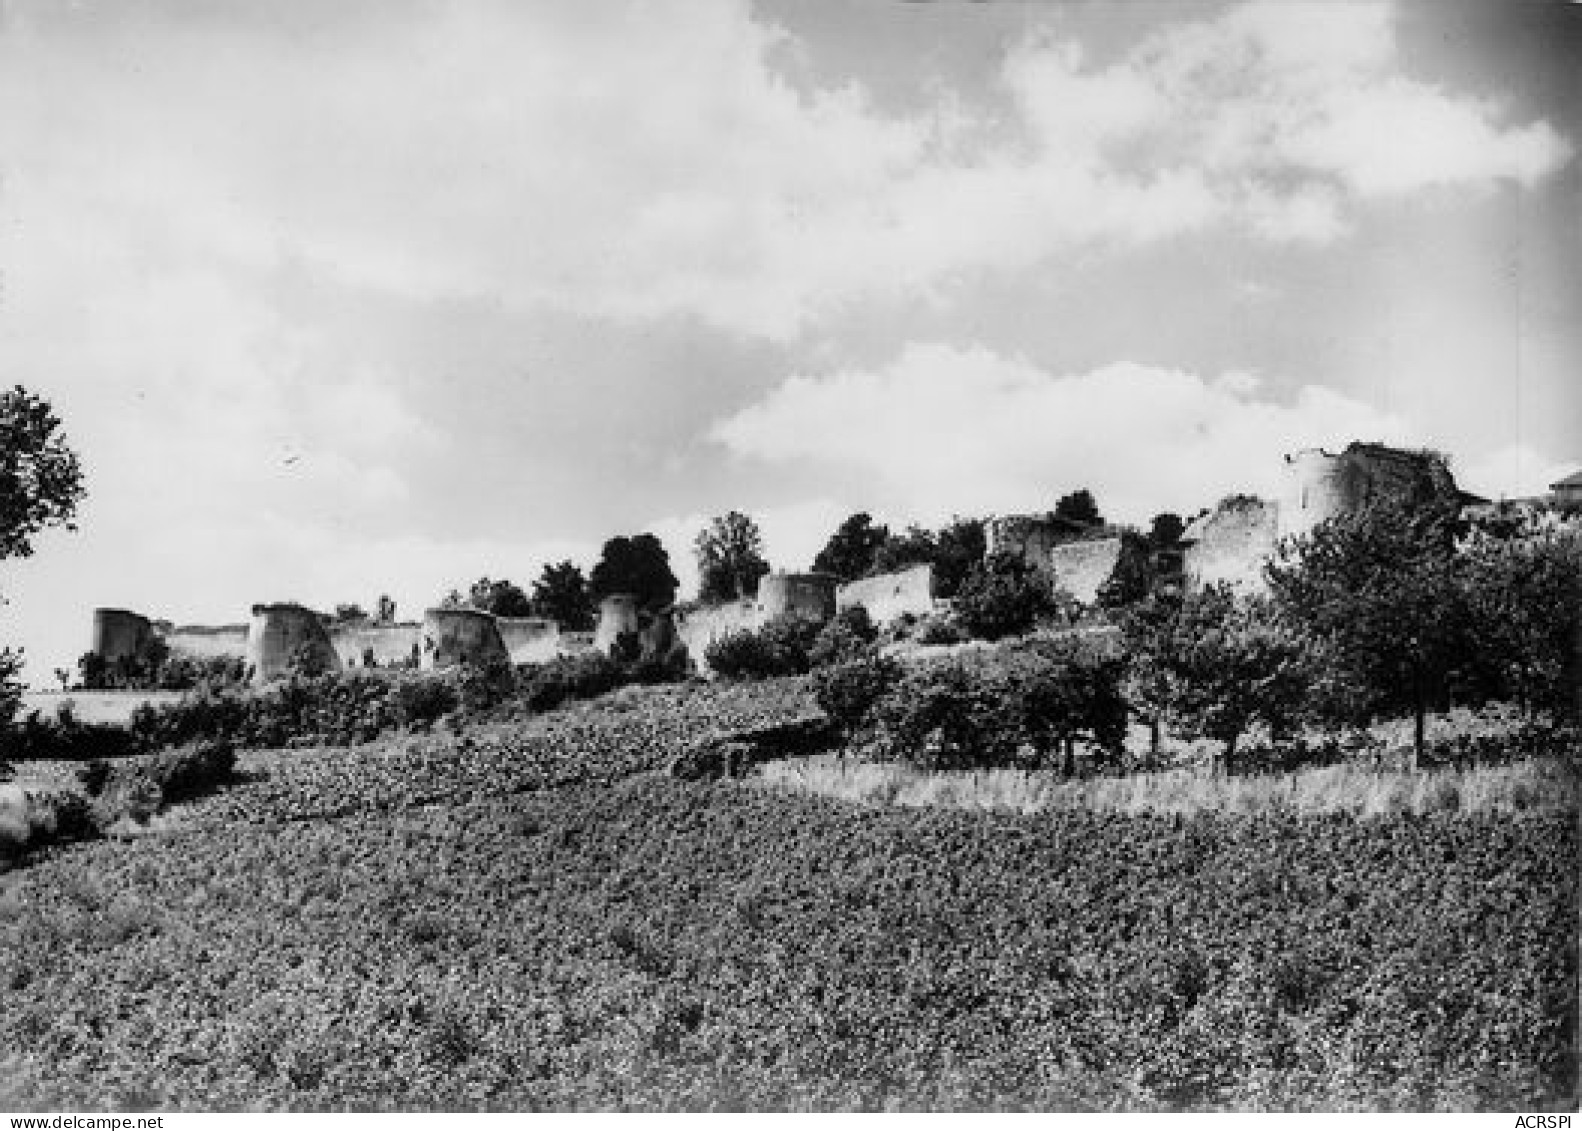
x: 461, y: 636
x: 1315, y: 490
x: 617, y: 618
x: 120, y: 634
x: 283, y: 634
x: 808, y: 595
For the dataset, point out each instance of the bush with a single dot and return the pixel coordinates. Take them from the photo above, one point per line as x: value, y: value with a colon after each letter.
x: 848, y: 636
x: 64, y: 738
x: 847, y: 692
x: 1013, y: 709
x: 30, y: 819
x: 191, y: 770
x: 546, y: 686
x: 483, y: 686
x: 936, y: 629
x: 783, y: 646
x: 419, y: 700
x: 1002, y: 597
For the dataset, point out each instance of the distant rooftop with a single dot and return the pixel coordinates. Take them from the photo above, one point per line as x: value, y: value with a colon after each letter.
x: 1572, y: 480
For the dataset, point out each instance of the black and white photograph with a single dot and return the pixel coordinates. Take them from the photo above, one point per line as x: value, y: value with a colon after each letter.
x: 789, y: 556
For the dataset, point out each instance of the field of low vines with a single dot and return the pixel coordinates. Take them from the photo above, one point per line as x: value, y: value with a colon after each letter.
x: 529, y: 918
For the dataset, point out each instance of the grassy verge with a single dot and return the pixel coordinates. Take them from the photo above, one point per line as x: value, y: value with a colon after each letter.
x: 1538, y: 786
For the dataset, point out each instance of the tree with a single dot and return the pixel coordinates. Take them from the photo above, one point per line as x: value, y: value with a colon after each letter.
x: 40, y: 479
x: 1379, y: 587
x: 730, y: 558
x: 1164, y: 532
x: 850, y: 551
x: 637, y: 565
x: 561, y: 594
x: 502, y: 598
x: 1079, y: 506
x: 1230, y: 662
x: 346, y: 613
x: 1149, y: 629
x: 385, y: 610
x: 1523, y: 592
x: 1003, y: 596
x: 960, y: 546
x: 913, y: 546
x: 40, y: 486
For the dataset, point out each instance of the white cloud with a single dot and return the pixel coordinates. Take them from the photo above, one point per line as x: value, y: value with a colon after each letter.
x: 1514, y: 471
x: 637, y: 161
x: 945, y: 430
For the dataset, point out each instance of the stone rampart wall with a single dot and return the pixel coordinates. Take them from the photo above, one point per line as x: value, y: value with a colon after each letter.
x: 889, y: 596
x: 529, y: 640
x: 1081, y: 568
x: 392, y: 645
x: 1231, y: 544
x: 698, y: 628
x: 204, y: 642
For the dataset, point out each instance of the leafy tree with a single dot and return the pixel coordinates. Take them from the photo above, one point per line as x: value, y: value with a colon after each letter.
x: 1003, y: 596
x: 1523, y: 591
x: 1079, y: 506
x: 40, y: 479
x: 40, y: 486
x: 851, y: 550
x: 561, y: 594
x: 345, y: 613
x: 454, y: 600
x: 1149, y: 629
x: 960, y: 546
x: 637, y: 565
x: 1379, y: 587
x: 730, y: 558
x: 1165, y: 530
x: 502, y: 598
x: 913, y: 546
x: 1231, y: 662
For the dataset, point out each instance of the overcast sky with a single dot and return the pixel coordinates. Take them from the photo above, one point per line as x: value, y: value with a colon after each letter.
x: 342, y: 299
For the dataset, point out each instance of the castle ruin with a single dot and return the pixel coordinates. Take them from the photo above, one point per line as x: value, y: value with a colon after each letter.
x: 1230, y: 544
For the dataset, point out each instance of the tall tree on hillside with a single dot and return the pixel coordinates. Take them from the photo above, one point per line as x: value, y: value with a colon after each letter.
x: 1164, y: 532
x: 1379, y: 586
x: 730, y: 554
x: 561, y: 594
x: 1079, y: 506
x: 40, y: 487
x: 638, y: 565
x: 913, y: 546
x: 1230, y: 661
x: 850, y: 551
x: 501, y: 597
x: 1523, y: 587
x: 959, y: 547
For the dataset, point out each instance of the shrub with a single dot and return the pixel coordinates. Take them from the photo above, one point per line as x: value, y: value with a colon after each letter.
x: 1013, y: 709
x: 781, y: 647
x: 418, y: 700
x: 546, y: 686
x: 847, y: 692
x: 482, y: 686
x: 936, y: 629
x: 65, y: 738
x: 1002, y: 597
x: 846, y: 637
x: 191, y: 770
x: 30, y: 819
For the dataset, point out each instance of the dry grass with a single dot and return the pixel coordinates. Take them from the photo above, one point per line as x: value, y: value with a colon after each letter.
x: 1520, y: 789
